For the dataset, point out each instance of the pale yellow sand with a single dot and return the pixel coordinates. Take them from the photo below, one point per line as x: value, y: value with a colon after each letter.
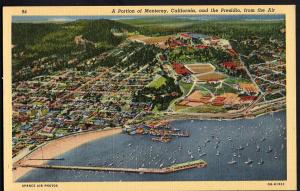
x: 57, y: 147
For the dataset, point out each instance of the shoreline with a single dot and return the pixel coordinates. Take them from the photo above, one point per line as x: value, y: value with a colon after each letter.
x: 53, y: 149
x: 57, y: 147
x: 182, y: 116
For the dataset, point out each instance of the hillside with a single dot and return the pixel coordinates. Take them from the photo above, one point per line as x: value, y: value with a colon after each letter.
x: 41, y: 39
x: 36, y: 45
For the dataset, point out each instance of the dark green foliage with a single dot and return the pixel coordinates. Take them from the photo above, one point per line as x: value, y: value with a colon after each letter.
x: 160, y: 97
x: 55, y: 43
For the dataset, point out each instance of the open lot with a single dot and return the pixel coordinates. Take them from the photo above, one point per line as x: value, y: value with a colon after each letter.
x: 212, y: 76
x: 149, y: 39
x: 200, y: 68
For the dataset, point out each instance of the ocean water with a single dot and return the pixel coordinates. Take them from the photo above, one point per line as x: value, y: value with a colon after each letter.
x: 207, y: 136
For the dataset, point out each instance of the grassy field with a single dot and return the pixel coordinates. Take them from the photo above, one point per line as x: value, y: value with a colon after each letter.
x: 231, y: 80
x: 225, y: 89
x: 185, y: 87
x: 157, y: 83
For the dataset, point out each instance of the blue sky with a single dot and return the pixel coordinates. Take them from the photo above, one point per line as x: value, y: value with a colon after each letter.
x: 200, y: 17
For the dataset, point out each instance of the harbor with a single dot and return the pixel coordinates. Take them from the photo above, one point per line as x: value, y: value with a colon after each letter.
x: 245, y: 149
x: 161, y: 131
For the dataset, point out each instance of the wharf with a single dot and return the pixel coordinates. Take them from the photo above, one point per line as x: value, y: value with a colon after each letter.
x: 165, y: 170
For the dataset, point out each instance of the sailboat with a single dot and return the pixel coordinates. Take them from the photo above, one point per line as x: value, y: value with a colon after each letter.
x: 261, y: 162
x: 202, y: 154
x: 275, y: 155
x: 257, y: 148
x: 269, y: 150
x: 249, y: 161
x: 240, y: 148
x: 232, y: 162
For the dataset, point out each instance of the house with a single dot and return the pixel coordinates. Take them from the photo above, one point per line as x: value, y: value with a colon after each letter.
x: 200, y: 46
x: 232, y: 52
x: 229, y: 65
x: 248, y: 87
x: 25, y: 127
x: 48, y: 129
x: 247, y: 99
x: 180, y: 69
x: 218, y: 101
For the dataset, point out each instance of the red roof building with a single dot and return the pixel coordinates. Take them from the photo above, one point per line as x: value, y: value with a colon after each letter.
x: 162, y: 58
x: 218, y: 101
x: 232, y: 52
x: 229, y: 65
x: 180, y: 69
x: 185, y: 35
x: 247, y: 98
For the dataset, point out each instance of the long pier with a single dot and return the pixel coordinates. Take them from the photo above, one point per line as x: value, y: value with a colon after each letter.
x: 165, y: 170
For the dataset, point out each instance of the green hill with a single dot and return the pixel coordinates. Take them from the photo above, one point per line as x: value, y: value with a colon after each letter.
x: 44, y: 39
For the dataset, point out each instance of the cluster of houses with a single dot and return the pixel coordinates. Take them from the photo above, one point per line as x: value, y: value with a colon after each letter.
x: 200, y: 41
x: 269, y: 75
x: 71, y: 101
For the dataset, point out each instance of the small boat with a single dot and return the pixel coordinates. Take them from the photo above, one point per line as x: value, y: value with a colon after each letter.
x: 234, y: 154
x: 275, y: 155
x: 199, y: 150
x: 249, y: 161
x: 282, y: 146
x: 247, y: 144
x: 240, y: 148
x: 202, y: 154
x: 189, y: 152
x: 161, y: 165
x: 129, y: 144
x: 207, y: 141
x: 175, y: 129
x: 269, y: 149
x: 232, y: 162
x: 143, y: 165
x: 229, y: 139
x: 257, y: 148
x: 170, y: 158
x: 163, y: 139
x: 261, y: 162
x: 174, y: 161
x: 218, y: 153
x: 263, y: 139
x: 216, y: 146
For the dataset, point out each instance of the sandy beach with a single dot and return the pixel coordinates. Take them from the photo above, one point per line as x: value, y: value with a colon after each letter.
x: 57, y: 147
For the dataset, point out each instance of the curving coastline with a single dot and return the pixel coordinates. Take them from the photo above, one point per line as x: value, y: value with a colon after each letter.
x: 57, y: 147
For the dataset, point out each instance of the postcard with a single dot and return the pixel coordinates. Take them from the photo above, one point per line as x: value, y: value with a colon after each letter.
x: 150, y: 98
